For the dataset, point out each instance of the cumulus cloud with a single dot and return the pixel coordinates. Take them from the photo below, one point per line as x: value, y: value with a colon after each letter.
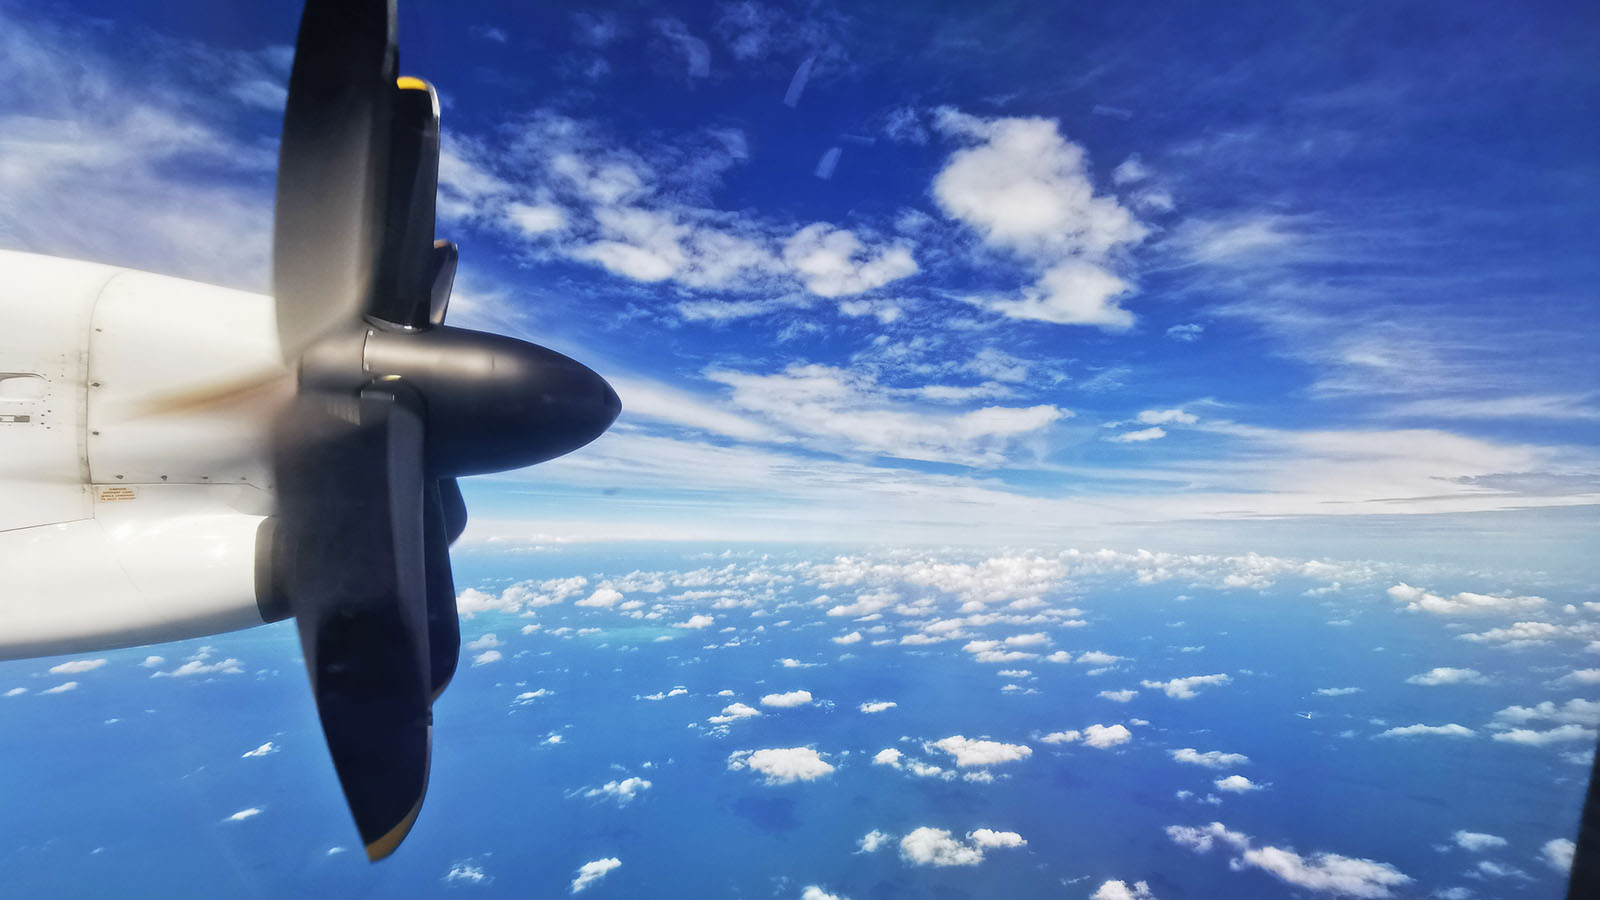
x: 1579, y: 678
x: 888, y: 756
x: 1100, y: 737
x: 1122, y: 696
x: 936, y: 847
x: 1462, y: 604
x: 623, y: 792
x: 1558, y: 853
x: 1557, y: 735
x: 1328, y: 873
x: 1098, y: 658
x: 487, y: 657
x: 1184, y: 688
x: 1477, y: 841
x: 792, y: 698
x: 202, y: 663
x: 1448, y: 675
x: 1451, y: 730
x: 812, y: 892
x: 266, y: 749
x: 1575, y: 711
x: 76, y: 666
x: 853, y: 637
x: 593, y: 871
x: 696, y: 621
x: 604, y: 597
x: 1237, y: 784
x: 877, y: 706
x: 872, y: 840
x: 1519, y: 634
x: 1025, y: 189
x: 833, y: 262
x: 61, y: 688
x: 782, y: 765
x: 1211, y: 759
x: 466, y: 872
x: 1338, y: 691
x: 1120, y: 890
x: 734, y: 712
x: 243, y: 814
x: 969, y: 752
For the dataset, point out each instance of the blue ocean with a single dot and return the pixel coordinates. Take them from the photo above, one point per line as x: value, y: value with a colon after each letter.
x: 613, y: 703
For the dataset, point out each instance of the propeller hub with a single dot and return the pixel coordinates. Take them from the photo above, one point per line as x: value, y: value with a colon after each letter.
x: 493, y: 402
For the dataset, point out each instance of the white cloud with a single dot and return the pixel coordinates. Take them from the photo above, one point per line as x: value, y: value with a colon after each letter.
x: 603, y: 597
x: 1184, y: 688
x: 733, y: 712
x: 201, y: 663
x: 1097, y: 658
x: 243, y: 814
x: 872, y: 840
x: 1451, y: 730
x: 1120, y: 890
x: 151, y: 662
x: 593, y: 871
x: 969, y: 752
x: 1144, y: 434
x: 792, y: 698
x: 833, y: 262
x: 782, y: 765
x: 697, y: 621
x: 1062, y: 737
x: 1519, y: 634
x: 1211, y: 759
x: 1237, y: 784
x: 1559, y: 734
x: 812, y: 892
x: 487, y: 657
x: 466, y: 872
x: 1447, y: 675
x: 77, y: 666
x: 1463, y: 604
x: 1025, y: 188
x: 1558, y: 854
x: 486, y: 642
x: 1338, y: 691
x: 1104, y: 737
x: 853, y: 637
x: 1166, y: 417
x: 888, y: 756
x: 1122, y: 696
x: 936, y: 847
x: 1476, y: 841
x: 266, y: 749
x: 623, y: 792
x: 1328, y: 873
x: 848, y: 409
x: 1187, y: 332
x: 877, y: 706
x: 1574, y: 711
x: 1579, y: 677
x: 16, y: 691
x: 61, y: 688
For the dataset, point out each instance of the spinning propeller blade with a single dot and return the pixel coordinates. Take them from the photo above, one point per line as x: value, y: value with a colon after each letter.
x: 391, y: 406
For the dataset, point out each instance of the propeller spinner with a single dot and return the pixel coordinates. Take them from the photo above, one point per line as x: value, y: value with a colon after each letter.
x: 392, y: 406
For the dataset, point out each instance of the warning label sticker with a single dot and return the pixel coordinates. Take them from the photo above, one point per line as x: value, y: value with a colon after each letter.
x: 112, y: 493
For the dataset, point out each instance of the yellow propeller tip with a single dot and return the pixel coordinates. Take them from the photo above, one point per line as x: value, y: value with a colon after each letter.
x: 407, y: 83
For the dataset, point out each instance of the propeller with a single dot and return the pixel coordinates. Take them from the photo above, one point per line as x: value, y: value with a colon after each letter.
x: 391, y: 407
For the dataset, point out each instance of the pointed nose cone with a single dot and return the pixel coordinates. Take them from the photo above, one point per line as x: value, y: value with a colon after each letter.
x: 493, y: 402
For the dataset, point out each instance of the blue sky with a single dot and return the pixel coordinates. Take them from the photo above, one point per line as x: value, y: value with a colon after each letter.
x: 1243, y: 274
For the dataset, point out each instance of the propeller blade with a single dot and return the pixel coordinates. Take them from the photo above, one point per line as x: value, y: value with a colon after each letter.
x: 333, y: 167
x: 407, y: 266
x: 455, y: 507
x: 444, y: 625
x: 351, y: 488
